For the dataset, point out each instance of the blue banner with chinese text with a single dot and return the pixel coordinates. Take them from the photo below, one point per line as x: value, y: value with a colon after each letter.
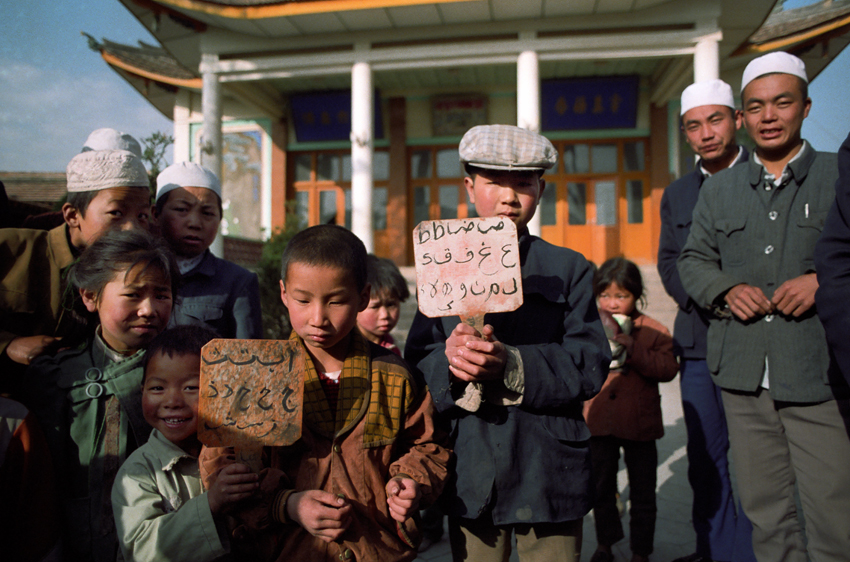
x: 326, y: 116
x: 608, y: 102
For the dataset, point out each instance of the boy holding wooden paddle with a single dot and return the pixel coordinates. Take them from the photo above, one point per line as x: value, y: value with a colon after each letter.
x: 523, y: 465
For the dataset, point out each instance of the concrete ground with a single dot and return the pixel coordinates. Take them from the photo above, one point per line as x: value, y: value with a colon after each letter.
x: 674, y: 535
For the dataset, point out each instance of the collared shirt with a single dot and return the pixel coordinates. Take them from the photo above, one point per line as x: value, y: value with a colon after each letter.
x: 737, y: 159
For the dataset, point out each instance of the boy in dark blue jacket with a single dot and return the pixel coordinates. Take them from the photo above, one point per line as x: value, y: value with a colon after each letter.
x: 523, y: 463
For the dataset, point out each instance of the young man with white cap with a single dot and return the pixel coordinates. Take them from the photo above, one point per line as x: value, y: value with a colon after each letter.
x: 749, y: 258
x: 214, y: 292
x: 107, y: 189
x: 709, y: 122
x: 523, y: 464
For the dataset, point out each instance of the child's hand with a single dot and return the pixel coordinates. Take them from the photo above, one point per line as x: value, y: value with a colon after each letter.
x: 234, y: 483
x: 474, y: 356
x: 403, y: 497
x: 24, y: 349
x: 322, y: 514
x: 626, y: 341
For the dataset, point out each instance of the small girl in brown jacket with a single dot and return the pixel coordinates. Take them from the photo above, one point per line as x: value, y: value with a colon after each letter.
x: 627, y: 411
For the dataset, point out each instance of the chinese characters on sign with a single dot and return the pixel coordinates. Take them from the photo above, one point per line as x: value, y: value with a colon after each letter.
x: 590, y: 103
x: 326, y: 116
x: 467, y: 267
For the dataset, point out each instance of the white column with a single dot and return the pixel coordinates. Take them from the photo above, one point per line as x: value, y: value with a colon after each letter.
x: 182, y: 112
x: 362, y: 134
x: 528, y: 106
x: 707, y: 58
x: 211, y: 137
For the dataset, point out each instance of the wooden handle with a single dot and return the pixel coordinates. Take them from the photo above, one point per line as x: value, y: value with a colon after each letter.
x: 252, y: 456
x: 476, y: 322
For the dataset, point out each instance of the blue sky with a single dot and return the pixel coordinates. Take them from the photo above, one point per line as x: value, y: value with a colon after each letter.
x: 54, y: 90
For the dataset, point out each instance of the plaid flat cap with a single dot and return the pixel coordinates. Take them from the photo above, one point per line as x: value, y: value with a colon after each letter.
x: 505, y: 147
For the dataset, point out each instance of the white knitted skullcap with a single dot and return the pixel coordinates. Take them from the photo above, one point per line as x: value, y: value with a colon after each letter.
x: 774, y: 62
x: 707, y: 92
x: 186, y: 174
x: 101, y: 169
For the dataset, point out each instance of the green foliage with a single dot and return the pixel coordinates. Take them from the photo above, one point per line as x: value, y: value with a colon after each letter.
x: 153, y: 154
x: 275, y: 317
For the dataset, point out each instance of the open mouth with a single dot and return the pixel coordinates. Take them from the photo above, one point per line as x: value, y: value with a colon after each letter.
x: 174, y: 423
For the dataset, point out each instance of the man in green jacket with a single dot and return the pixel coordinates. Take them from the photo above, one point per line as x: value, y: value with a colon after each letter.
x: 749, y: 258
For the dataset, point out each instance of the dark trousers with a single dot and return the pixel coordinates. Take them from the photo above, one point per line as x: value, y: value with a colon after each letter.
x: 722, y: 534
x: 641, y: 464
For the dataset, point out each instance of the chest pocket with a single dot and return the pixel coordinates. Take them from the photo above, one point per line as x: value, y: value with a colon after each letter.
x: 730, y: 240
x: 201, y: 309
x: 809, y: 229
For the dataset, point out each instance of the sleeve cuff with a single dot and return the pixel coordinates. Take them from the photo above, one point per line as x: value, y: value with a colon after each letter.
x: 279, y: 513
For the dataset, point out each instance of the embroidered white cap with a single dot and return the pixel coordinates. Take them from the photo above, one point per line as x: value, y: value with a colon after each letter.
x: 770, y: 63
x: 110, y: 139
x: 707, y: 92
x: 186, y: 174
x: 102, y: 169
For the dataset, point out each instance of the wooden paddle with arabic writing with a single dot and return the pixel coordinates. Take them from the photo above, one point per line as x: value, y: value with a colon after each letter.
x: 467, y: 268
x: 251, y: 396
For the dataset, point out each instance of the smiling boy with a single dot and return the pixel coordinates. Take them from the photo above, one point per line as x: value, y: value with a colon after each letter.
x: 523, y: 465
x: 369, y: 453
x: 214, y: 292
x: 161, y: 510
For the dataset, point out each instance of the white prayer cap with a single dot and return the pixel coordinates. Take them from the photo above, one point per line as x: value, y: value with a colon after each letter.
x: 707, y: 92
x: 101, y: 169
x: 110, y: 139
x: 186, y: 174
x: 779, y: 61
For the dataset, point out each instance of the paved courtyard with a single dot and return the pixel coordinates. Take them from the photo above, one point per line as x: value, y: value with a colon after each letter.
x: 674, y: 535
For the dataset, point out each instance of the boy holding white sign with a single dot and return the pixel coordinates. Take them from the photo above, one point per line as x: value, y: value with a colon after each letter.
x: 523, y: 468
x: 369, y: 452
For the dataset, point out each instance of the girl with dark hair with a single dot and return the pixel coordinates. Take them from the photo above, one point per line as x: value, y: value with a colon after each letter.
x: 627, y: 412
x: 88, y: 399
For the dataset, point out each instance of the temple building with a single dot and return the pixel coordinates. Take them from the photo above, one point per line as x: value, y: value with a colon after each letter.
x: 350, y: 111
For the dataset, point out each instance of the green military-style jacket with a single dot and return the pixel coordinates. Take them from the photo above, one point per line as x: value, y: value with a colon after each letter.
x: 743, y: 233
x: 69, y: 394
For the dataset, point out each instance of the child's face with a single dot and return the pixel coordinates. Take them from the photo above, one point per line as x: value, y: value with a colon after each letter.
x: 132, y: 308
x: 170, y: 397
x: 379, y: 317
x: 323, y: 303
x: 189, y: 220
x: 616, y: 300
x: 120, y: 208
x: 512, y: 195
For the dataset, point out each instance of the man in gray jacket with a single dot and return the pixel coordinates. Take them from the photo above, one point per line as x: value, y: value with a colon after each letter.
x: 749, y: 258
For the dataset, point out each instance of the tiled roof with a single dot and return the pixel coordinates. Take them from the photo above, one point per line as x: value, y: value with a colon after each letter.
x: 783, y: 23
x: 153, y: 60
x: 34, y: 187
